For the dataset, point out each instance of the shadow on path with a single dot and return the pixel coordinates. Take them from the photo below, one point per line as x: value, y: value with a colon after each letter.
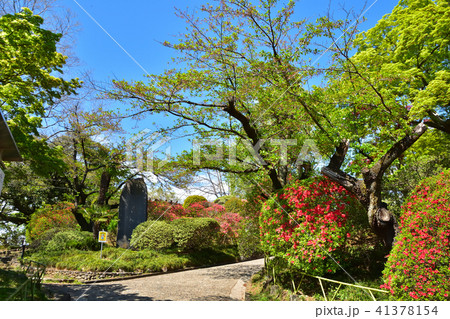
x: 111, y: 292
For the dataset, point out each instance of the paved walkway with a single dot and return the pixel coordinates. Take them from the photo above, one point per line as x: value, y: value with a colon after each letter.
x: 214, y: 283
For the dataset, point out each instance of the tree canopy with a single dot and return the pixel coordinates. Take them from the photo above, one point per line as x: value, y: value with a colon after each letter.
x: 244, y: 75
x: 29, y: 82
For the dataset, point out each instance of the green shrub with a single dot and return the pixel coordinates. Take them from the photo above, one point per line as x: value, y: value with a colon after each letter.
x: 72, y: 239
x: 41, y: 242
x: 51, y: 216
x: 193, y: 199
x: 418, y: 267
x: 195, y: 233
x: 249, y: 244
x: 222, y: 200
x: 152, y: 235
x: 308, y: 222
x: 235, y: 205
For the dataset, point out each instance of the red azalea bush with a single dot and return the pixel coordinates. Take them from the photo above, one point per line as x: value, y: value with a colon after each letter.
x: 51, y: 216
x: 161, y: 210
x: 418, y: 267
x: 308, y: 222
x: 228, y: 221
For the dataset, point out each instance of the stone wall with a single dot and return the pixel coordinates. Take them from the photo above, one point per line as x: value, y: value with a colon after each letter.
x: 84, y: 276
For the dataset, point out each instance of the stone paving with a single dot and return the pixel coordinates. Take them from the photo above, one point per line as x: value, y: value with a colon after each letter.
x: 225, y: 282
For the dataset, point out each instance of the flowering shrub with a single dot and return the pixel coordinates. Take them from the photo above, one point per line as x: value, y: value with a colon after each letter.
x: 51, y: 216
x: 418, y: 267
x: 228, y: 221
x: 161, y: 210
x: 309, y: 221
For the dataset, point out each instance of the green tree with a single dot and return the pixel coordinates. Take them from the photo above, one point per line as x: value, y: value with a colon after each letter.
x: 244, y: 75
x: 388, y: 93
x: 232, y: 62
x: 29, y: 83
x: 96, y: 169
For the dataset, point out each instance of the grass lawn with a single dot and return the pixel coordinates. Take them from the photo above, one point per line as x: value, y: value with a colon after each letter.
x: 118, y: 259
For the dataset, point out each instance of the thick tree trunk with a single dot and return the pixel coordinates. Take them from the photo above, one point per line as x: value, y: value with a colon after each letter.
x: 104, y: 186
x: 84, y: 224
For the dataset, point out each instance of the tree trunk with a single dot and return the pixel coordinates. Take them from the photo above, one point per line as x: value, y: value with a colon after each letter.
x: 84, y: 224
x: 368, y: 190
x: 104, y: 186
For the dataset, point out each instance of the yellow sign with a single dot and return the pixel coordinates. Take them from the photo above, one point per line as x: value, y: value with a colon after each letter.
x: 102, y: 236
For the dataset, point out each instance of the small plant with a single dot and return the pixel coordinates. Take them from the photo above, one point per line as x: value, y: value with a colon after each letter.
x: 193, y: 199
x: 418, y: 267
x: 249, y: 245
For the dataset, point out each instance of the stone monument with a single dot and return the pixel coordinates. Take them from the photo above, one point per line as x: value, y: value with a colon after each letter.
x: 132, y: 210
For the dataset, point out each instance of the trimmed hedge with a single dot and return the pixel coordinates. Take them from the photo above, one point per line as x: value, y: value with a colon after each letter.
x: 186, y: 233
x: 152, y: 235
x: 418, y: 267
x: 195, y: 233
x: 193, y: 199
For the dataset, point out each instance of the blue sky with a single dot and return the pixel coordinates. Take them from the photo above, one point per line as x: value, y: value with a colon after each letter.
x: 139, y: 27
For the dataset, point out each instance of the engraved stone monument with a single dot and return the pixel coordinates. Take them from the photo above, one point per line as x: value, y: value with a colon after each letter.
x: 132, y: 210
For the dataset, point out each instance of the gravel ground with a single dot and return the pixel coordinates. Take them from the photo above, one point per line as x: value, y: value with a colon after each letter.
x: 215, y: 283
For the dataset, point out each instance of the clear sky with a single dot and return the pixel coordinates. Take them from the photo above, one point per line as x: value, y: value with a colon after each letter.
x: 139, y: 26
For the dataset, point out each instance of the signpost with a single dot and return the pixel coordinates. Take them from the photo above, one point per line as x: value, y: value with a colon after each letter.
x: 102, y: 237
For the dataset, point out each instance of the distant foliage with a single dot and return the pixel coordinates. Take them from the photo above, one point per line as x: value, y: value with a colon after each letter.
x: 193, y: 199
x: 418, y: 267
x: 309, y: 221
x: 51, y: 216
x: 152, y: 235
x: 235, y: 205
x: 221, y: 200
